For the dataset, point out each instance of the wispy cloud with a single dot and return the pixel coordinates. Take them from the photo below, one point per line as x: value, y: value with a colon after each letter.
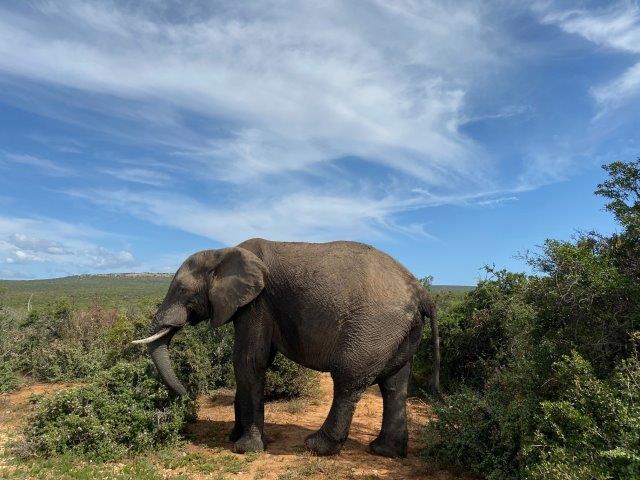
x: 293, y: 85
x: 616, y: 26
x: 308, y: 216
x: 292, y: 120
x: 256, y: 100
x: 138, y: 175
x: 615, y: 92
x: 304, y: 216
x: 58, y: 144
x: 506, y: 112
x: 37, y: 164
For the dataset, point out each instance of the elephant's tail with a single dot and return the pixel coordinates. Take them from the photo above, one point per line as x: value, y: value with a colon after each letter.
x: 427, y: 306
x: 428, y: 309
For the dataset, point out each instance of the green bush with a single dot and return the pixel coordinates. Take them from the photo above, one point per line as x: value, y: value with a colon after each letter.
x: 476, y: 331
x: 593, y: 429
x: 65, y: 361
x: 203, y: 357
x: 540, y: 372
x: 287, y: 379
x: 57, y: 343
x: 483, y: 429
x: 125, y: 410
x: 9, y: 380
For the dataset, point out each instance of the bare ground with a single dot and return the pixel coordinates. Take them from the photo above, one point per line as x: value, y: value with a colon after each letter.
x: 286, y: 426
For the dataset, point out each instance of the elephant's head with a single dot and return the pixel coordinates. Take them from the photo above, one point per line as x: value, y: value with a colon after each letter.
x: 211, y: 284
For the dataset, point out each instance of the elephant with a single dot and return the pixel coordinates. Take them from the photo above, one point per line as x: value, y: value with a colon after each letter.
x: 341, y: 307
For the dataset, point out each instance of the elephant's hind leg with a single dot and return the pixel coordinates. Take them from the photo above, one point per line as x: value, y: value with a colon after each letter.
x: 394, y: 436
x: 335, y: 429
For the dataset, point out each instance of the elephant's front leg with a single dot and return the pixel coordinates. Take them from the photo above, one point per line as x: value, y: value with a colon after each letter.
x: 251, y: 355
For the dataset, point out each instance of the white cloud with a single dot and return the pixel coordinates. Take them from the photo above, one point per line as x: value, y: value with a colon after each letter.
x: 292, y: 84
x: 615, y: 26
x: 615, y: 92
x: 42, y: 165
x: 138, y: 175
x: 303, y: 216
x: 250, y: 100
x: 25, y: 241
x: 309, y: 216
x: 58, y: 144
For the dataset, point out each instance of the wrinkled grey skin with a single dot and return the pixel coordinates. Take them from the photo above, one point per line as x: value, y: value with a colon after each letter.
x: 340, y: 307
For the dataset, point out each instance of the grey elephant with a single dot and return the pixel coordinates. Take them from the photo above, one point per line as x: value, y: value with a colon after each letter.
x: 339, y: 307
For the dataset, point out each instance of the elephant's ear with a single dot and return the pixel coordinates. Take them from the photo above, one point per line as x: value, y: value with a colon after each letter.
x: 236, y: 280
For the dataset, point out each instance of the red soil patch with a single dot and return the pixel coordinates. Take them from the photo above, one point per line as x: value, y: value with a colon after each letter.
x: 288, y: 423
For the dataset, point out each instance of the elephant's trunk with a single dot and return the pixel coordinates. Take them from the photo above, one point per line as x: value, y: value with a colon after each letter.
x: 165, y: 324
x: 159, y: 351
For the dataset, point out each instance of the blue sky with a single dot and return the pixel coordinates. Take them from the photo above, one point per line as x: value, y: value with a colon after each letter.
x: 449, y: 134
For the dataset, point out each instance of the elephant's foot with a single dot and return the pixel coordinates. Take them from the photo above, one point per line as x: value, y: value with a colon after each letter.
x: 320, y: 444
x: 389, y: 446
x: 249, y: 442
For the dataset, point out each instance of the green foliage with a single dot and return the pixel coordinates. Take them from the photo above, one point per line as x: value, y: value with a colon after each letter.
x: 9, y: 380
x: 479, y: 431
x: 584, y: 302
x: 287, y: 379
x: 622, y: 190
x: 541, y: 372
x: 203, y: 357
x: 592, y: 430
x: 57, y: 343
x: 474, y: 329
x: 125, y: 410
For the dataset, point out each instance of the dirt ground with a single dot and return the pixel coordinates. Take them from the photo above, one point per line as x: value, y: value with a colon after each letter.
x: 286, y: 426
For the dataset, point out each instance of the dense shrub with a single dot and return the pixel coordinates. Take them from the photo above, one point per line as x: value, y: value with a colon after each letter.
x: 9, y: 380
x: 203, y: 357
x: 493, y: 384
x: 58, y: 343
x: 287, y: 379
x: 584, y: 302
x: 480, y: 431
x: 475, y: 331
x: 124, y: 410
x: 592, y: 430
x: 541, y: 372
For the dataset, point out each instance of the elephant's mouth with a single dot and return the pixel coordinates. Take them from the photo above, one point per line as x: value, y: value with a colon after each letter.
x: 158, y: 346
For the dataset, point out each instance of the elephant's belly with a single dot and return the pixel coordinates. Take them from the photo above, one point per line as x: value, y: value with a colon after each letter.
x: 308, y: 347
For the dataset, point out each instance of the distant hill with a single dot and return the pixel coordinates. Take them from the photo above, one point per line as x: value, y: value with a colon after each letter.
x: 453, y: 288
x: 108, y: 290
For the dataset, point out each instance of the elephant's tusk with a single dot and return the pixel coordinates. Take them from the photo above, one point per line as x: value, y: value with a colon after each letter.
x: 153, y: 337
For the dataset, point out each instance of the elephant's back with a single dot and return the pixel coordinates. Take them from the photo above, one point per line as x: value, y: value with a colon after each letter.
x: 333, y: 266
x: 340, y: 297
